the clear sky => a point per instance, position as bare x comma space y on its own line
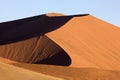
107, 10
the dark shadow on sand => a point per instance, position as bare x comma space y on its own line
22, 29
61, 59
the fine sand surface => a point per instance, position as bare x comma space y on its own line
66, 73
69, 73
9, 72
89, 42
7, 61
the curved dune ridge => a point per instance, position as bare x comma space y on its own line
89, 46
90, 42
36, 50
24, 40
23, 29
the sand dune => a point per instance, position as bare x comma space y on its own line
30, 51
90, 42
23, 29
24, 40
36, 50
7, 61
9, 72
66, 73
69, 73
88, 46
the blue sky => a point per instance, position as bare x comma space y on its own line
107, 10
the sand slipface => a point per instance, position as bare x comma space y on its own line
30, 51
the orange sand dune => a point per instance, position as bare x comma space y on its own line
9, 72
69, 73
90, 42
84, 40
86, 43
24, 40
30, 51
66, 73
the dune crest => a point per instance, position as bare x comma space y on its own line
54, 14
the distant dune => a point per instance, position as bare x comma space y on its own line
86, 45
54, 14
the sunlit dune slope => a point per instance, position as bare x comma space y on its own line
9, 72
4, 60
66, 73
90, 42
69, 73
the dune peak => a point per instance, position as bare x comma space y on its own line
52, 14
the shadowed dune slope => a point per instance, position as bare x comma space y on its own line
22, 29
39, 50
18, 30
24, 40
9, 72
90, 42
